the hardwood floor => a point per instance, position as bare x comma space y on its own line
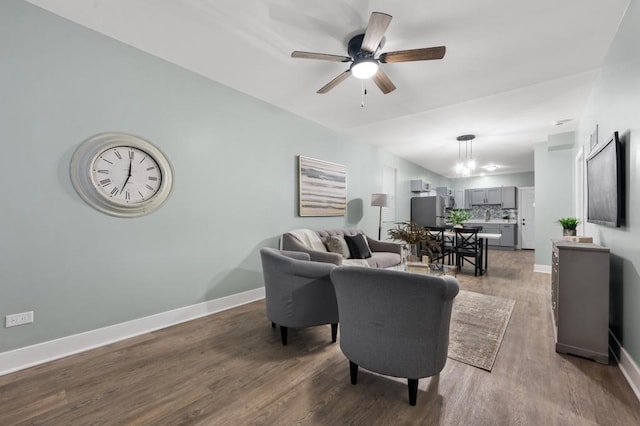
230, 369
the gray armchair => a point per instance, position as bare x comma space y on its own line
299, 293
394, 323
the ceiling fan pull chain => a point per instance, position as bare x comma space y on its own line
364, 92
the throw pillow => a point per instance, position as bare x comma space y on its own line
337, 244
358, 246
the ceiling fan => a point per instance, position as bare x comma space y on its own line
363, 49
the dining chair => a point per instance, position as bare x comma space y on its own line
445, 242
468, 247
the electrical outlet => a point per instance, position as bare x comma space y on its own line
18, 319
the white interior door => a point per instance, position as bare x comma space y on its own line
527, 217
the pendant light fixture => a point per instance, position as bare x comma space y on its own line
465, 165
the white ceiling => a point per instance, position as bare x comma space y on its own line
512, 67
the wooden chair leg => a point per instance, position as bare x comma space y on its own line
283, 335
353, 369
334, 332
413, 391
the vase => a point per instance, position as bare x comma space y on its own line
569, 232
413, 253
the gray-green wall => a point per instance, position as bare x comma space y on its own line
614, 105
234, 159
554, 175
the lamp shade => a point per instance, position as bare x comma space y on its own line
380, 200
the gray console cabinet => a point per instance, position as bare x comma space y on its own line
580, 299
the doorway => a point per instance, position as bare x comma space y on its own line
527, 218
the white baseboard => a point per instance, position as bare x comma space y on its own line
40, 353
628, 367
545, 269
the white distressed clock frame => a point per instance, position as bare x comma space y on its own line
84, 181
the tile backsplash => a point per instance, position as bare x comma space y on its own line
495, 212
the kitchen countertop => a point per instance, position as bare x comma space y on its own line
497, 221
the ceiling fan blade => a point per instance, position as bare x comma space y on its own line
320, 56
378, 23
425, 54
382, 80
333, 83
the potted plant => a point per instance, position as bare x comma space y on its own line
569, 225
416, 237
457, 217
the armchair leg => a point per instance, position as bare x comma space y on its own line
353, 369
413, 391
334, 332
283, 335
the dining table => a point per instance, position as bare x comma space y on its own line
484, 238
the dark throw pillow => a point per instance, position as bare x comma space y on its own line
358, 246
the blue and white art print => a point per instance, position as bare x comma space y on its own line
323, 188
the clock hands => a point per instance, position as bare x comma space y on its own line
128, 175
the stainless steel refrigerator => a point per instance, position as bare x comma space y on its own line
428, 211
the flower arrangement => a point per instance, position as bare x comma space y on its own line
414, 235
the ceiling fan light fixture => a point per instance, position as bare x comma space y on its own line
364, 68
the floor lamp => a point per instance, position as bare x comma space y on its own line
380, 200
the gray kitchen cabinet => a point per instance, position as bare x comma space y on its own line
478, 196
509, 197
490, 228
486, 196
494, 196
467, 198
580, 299
508, 231
459, 199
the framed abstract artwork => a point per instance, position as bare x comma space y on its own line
322, 186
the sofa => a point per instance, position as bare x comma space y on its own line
333, 246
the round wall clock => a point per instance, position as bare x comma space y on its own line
120, 174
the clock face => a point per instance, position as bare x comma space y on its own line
126, 175
121, 174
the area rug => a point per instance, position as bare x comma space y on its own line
478, 324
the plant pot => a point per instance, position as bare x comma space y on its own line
569, 232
